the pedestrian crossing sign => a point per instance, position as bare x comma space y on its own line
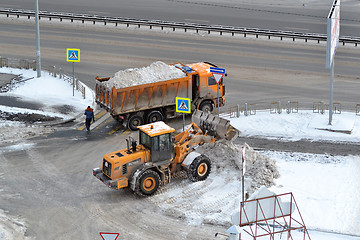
73, 55
183, 105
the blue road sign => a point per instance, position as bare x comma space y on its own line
183, 105
73, 55
217, 70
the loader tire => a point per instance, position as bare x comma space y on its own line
148, 183
135, 121
199, 169
206, 107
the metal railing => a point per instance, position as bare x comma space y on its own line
288, 107
58, 72
17, 63
178, 25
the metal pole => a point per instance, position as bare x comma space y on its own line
242, 182
38, 61
73, 78
331, 92
218, 105
183, 121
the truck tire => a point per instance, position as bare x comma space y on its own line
199, 169
154, 116
206, 106
148, 183
135, 121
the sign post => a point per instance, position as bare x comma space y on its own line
73, 55
183, 105
333, 32
218, 74
243, 172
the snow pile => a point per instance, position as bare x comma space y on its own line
213, 200
226, 155
155, 72
11, 227
14, 131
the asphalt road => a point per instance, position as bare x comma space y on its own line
290, 15
258, 71
51, 186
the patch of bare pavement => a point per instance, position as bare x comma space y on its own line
304, 146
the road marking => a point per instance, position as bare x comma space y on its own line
110, 119
116, 129
100, 114
100, 121
97, 116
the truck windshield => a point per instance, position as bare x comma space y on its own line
145, 140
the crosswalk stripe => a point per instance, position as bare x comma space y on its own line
99, 118
115, 129
100, 114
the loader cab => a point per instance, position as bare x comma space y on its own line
157, 137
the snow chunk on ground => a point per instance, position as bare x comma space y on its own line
11, 227
155, 72
213, 200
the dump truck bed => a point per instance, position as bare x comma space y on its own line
143, 97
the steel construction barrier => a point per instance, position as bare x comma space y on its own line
177, 25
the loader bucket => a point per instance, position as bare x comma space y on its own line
214, 125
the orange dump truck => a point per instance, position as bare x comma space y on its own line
150, 101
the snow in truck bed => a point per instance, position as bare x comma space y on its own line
155, 72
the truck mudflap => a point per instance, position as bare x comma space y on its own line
113, 184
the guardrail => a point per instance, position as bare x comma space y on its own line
178, 25
247, 109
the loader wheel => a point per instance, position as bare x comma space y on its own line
206, 107
199, 169
154, 116
135, 121
148, 183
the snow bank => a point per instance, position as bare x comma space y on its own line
325, 187
155, 72
213, 200
260, 168
302, 125
11, 227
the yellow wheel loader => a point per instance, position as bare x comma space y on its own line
144, 167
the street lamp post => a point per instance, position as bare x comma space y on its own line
38, 61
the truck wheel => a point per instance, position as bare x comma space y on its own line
135, 121
148, 183
154, 116
199, 169
206, 107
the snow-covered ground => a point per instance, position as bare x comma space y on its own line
326, 188
48, 91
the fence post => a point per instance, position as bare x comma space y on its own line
238, 111
246, 109
279, 107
